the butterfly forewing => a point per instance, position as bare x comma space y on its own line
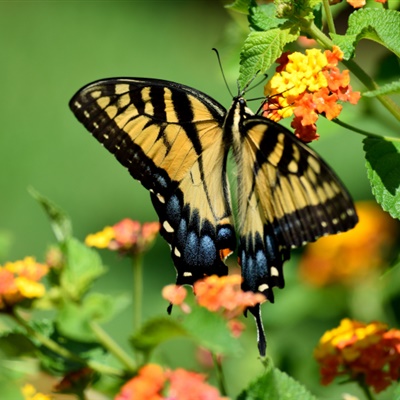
290, 197
168, 135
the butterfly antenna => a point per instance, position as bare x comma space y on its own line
266, 98
258, 83
246, 88
222, 70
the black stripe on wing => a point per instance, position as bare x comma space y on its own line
304, 200
105, 108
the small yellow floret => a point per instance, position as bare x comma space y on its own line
100, 239
28, 288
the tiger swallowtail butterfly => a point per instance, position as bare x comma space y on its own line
175, 140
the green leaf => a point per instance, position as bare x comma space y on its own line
346, 43
379, 25
396, 394
60, 221
82, 267
275, 385
210, 330
15, 344
383, 169
74, 319
261, 49
389, 88
263, 17
241, 6
60, 365
157, 331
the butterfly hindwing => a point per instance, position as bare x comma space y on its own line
166, 134
290, 197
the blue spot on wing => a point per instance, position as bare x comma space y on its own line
207, 251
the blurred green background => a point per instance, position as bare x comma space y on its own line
48, 51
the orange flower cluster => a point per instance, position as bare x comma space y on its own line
308, 85
223, 294
153, 383
19, 280
368, 353
127, 237
217, 294
353, 255
361, 3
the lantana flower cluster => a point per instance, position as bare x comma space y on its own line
367, 353
217, 294
19, 280
155, 383
127, 237
307, 85
355, 255
362, 3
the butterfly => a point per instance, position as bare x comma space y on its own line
175, 140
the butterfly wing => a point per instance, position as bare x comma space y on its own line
170, 138
290, 197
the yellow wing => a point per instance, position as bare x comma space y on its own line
170, 138
289, 197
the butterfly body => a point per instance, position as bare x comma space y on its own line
175, 140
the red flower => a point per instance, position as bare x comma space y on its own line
366, 352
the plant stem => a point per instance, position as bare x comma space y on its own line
328, 15
357, 130
137, 263
108, 342
62, 351
363, 77
366, 391
220, 374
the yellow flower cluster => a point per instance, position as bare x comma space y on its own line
30, 393
303, 72
126, 236
19, 280
352, 256
307, 85
368, 353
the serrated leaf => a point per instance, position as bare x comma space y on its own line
389, 88
346, 43
82, 267
261, 49
241, 6
59, 219
211, 331
263, 17
155, 332
375, 24
275, 385
383, 169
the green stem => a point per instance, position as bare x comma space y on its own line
358, 130
363, 77
220, 375
62, 351
366, 390
108, 342
329, 17
137, 262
